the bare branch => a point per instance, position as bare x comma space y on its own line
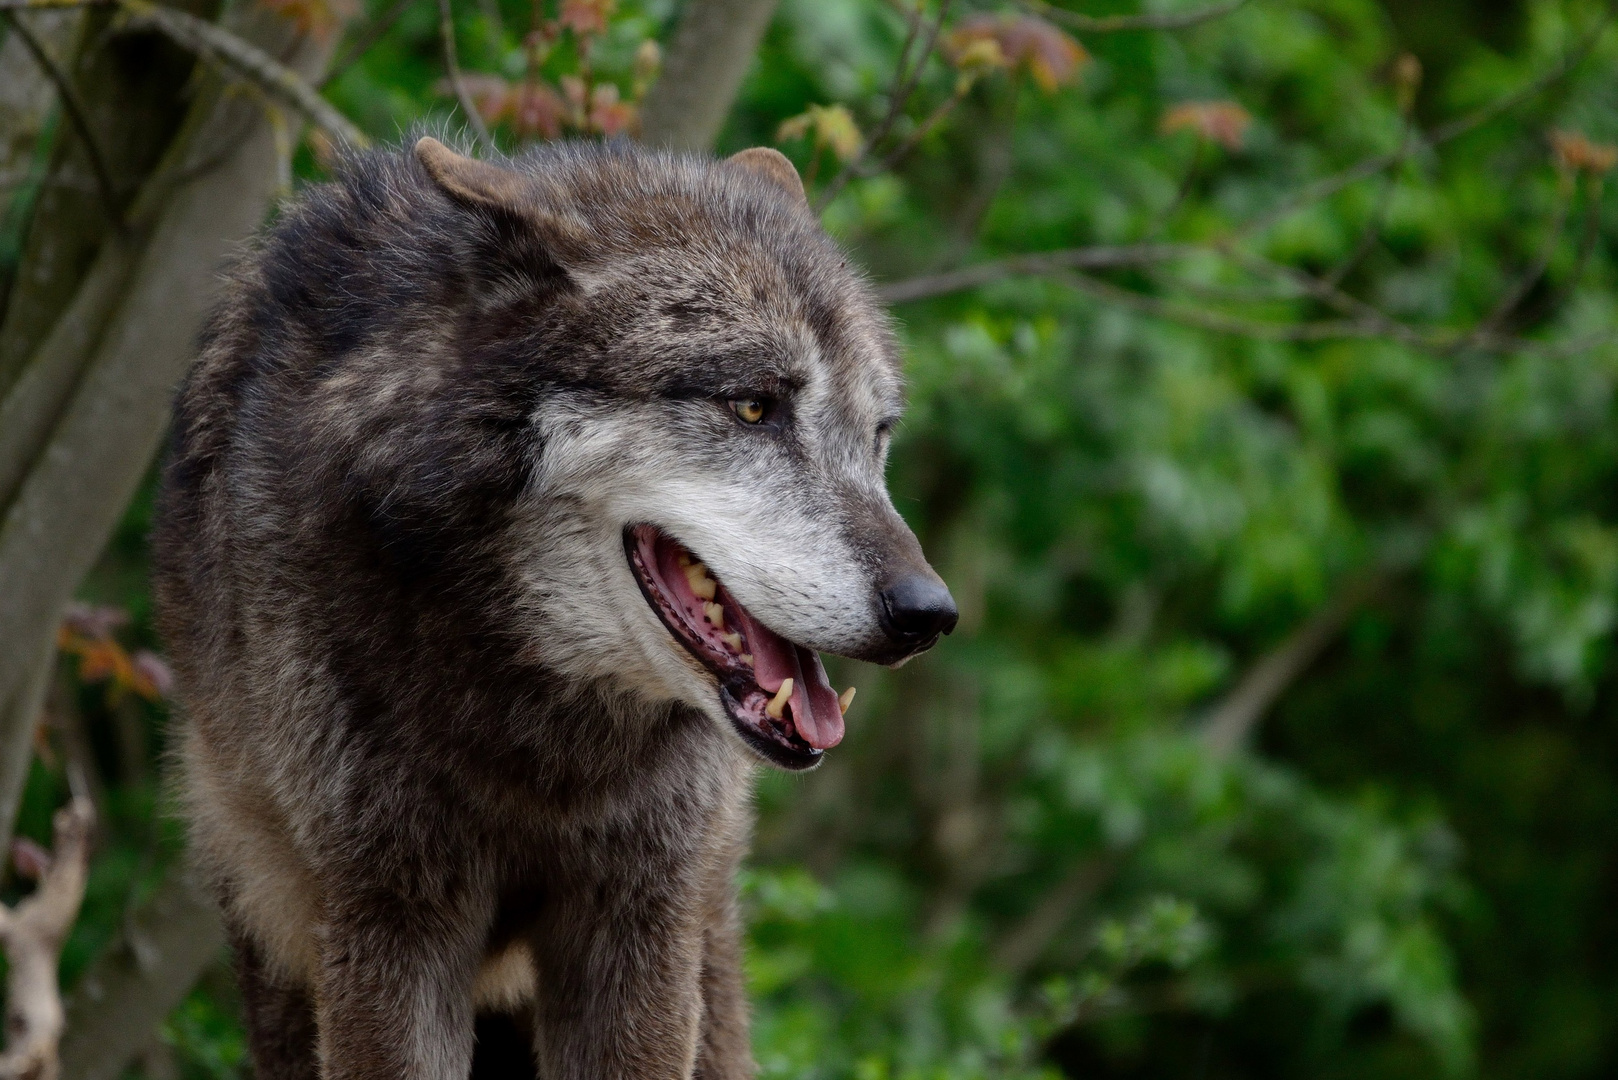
248, 60
1484, 113
1097, 257
32, 934
75, 113
363, 42
1519, 290
904, 84
1221, 323
48, 5
1231, 722
452, 63
1112, 24
1364, 321
1373, 224
1376, 163
1025, 943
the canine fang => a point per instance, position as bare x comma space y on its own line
696, 575
846, 699
779, 703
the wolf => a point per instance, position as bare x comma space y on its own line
509, 506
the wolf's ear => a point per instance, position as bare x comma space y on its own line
471, 181
485, 186
772, 165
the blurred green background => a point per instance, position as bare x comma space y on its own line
1030, 858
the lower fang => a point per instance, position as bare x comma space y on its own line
715, 614
778, 703
734, 640
846, 699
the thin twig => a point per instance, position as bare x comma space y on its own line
1379, 214
1374, 164
50, 5
1145, 254
1112, 24
363, 42
1332, 295
1530, 277
75, 112
1587, 244
1484, 113
446, 29
245, 59
919, 133
904, 84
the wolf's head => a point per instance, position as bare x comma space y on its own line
708, 507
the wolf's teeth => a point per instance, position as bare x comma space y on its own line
733, 639
846, 700
779, 702
696, 575
715, 613
747, 657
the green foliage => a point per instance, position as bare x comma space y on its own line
1026, 861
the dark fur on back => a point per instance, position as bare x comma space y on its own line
409, 785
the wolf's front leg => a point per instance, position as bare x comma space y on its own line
724, 1051
394, 1000
620, 985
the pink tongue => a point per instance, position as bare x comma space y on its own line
815, 712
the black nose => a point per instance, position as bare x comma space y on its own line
916, 609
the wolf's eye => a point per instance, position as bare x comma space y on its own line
750, 410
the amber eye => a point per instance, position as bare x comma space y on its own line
750, 410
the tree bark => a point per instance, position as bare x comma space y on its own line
119, 1003
226, 159
131, 86
712, 48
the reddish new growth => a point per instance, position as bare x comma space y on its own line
578, 103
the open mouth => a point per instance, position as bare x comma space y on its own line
775, 692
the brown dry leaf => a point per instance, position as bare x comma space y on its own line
86, 633
490, 94
536, 109
1049, 54
608, 115
586, 16
316, 17
1574, 152
1223, 122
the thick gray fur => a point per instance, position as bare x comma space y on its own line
442, 761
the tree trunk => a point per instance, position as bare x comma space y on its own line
117, 1007
712, 49
207, 196
131, 88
